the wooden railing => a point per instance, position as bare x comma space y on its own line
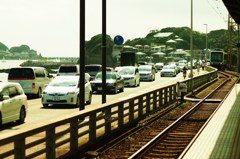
71, 135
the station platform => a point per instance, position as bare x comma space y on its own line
220, 139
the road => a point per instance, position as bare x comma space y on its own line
36, 113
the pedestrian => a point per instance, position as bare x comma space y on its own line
184, 71
198, 67
203, 64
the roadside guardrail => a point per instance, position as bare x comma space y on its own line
70, 135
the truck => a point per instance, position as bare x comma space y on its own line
128, 58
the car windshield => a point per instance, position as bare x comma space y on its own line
61, 82
108, 76
92, 68
168, 67
144, 68
68, 69
126, 71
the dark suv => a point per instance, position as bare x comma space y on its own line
93, 69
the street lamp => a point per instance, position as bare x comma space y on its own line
191, 48
206, 37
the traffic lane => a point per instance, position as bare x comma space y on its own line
36, 113
145, 86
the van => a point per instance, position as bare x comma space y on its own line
93, 69
71, 70
130, 75
68, 69
32, 79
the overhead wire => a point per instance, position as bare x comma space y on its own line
217, 7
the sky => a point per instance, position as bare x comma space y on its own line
51, 27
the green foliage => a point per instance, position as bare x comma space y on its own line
94, 50
3, 47
216, 39
19, 49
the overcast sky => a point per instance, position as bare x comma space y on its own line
51, 27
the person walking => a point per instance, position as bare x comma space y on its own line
203, 64
184, 71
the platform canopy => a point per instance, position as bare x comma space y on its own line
233, 7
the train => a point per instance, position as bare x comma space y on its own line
218, 59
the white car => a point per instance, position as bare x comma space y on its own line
13, 103
159, 65
147, 72
65, 90
168, 70
130, 75
71, 70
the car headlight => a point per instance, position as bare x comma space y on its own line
71, 93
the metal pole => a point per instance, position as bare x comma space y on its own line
191, 47
238, 46
104, 22
82, 56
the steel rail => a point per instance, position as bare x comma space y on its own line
152, 142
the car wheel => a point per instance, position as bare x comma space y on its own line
45, 105
89, 99
22, 116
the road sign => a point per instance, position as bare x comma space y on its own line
118, 40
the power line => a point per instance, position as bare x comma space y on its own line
217, 7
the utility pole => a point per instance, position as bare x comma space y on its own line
82, 56
104, 45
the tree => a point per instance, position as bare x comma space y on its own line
94, 50
19, 49
3, 47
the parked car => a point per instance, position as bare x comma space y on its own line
32, 79
114, 82
71, 70
65, 90
147, 72
130, 75
168, 70
13, 103
159, 65
93, 69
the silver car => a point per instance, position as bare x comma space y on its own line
130, 75
168, 70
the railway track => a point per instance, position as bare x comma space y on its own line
171, 132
